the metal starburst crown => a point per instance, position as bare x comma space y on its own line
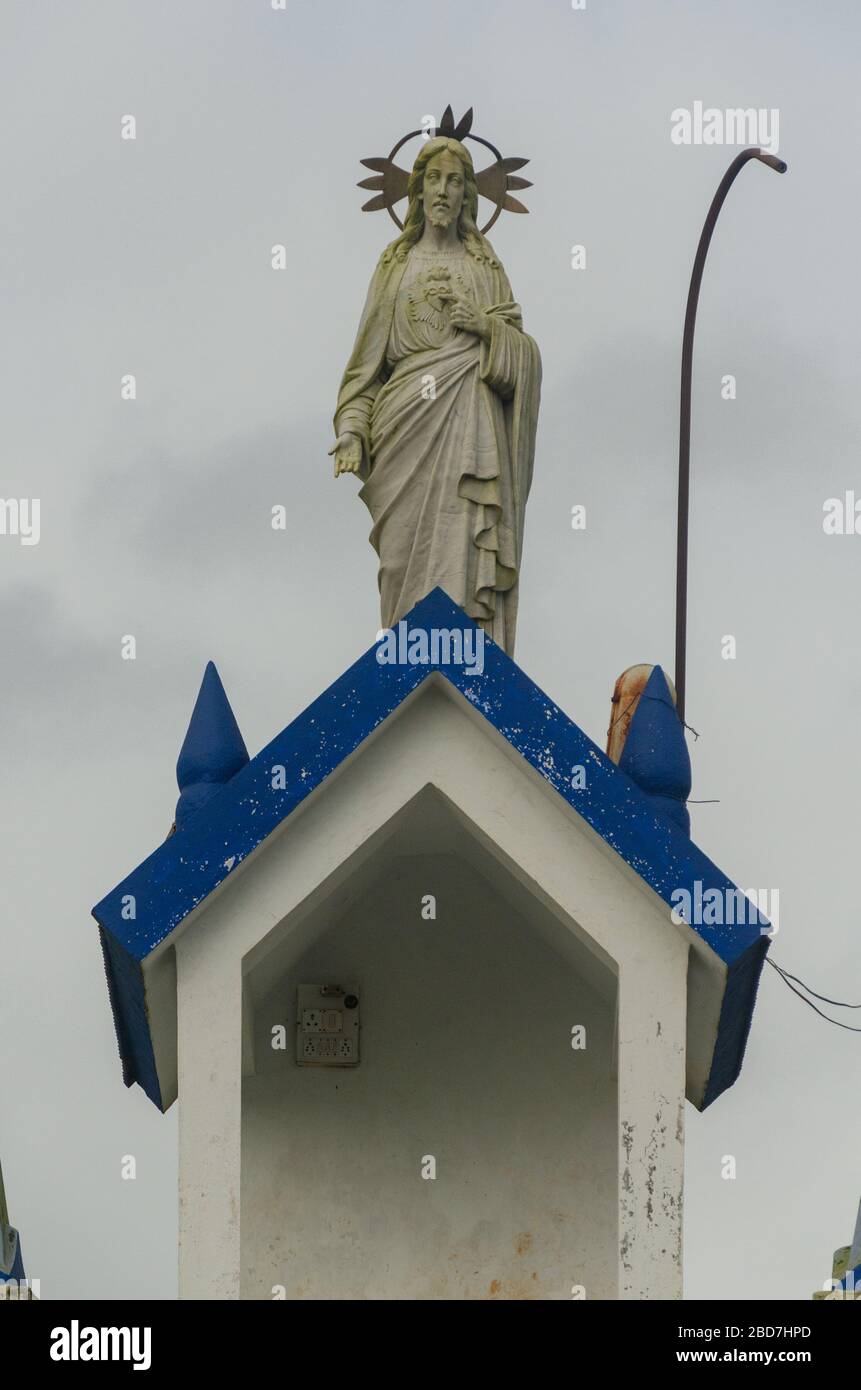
493, 182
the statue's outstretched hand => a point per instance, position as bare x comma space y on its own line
469, 318
347, 449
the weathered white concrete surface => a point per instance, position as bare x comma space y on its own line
209, 1003
466, 1059
651, 1094
573, 918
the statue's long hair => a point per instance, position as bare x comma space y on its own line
474, 243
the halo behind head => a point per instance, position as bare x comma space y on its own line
492, 183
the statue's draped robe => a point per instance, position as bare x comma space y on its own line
447, 423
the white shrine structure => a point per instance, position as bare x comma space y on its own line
414, 975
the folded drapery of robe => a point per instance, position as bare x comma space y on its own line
446, 468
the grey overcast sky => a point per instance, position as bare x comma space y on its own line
152, 257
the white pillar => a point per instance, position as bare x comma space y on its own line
651, 1098
209, 1018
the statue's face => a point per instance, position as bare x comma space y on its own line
442, 195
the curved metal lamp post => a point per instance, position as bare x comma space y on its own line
685, 408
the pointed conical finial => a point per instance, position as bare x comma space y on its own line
653, 750
213, 751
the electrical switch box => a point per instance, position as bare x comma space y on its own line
327, 1026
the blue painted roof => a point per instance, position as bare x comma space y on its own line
191, 864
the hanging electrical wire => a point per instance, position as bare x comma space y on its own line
837, 1004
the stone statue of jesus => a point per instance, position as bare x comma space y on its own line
438, 406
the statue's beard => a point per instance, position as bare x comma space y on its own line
440, 217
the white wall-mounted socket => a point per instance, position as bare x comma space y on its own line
327, 1026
